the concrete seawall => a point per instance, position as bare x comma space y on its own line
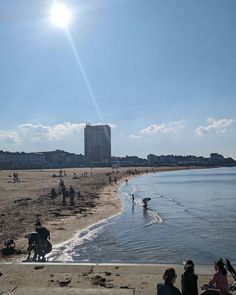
85, 279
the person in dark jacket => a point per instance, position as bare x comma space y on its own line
168, 288
189, 279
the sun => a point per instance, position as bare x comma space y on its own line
60, 15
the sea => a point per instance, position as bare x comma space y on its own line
191, 215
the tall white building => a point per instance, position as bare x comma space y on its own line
97, 143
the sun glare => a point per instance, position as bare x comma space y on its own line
60, 15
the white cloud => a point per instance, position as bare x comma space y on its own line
214, 126
38, 132
132, 136
110, 124
171, 127
61, 130
9, 136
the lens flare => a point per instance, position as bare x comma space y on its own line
60, 15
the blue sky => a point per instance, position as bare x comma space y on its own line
161, 72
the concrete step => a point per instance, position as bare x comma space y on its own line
14, 290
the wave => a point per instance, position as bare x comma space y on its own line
156, 218
66, 251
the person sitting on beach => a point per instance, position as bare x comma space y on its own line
189, 279
9, 247
219, 279
168, 288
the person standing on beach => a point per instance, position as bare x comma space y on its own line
72, 196
133, 198
45, 245
53, 194
64, 194
168, 288
61, 185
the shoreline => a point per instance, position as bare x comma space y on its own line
101, 196
105, 191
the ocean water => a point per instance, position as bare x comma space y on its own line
191, 215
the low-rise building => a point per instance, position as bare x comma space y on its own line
21, 160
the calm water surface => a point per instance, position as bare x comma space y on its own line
192, 215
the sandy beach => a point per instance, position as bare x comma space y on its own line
88, 279
21, 201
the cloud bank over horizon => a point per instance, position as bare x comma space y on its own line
214, 126
180, 137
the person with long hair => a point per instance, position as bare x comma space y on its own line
189, 279
168, 287
219, 279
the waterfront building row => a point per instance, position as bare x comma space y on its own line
62, 159
51, 159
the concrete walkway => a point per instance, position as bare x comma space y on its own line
87, 279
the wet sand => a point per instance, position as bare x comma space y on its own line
21, 201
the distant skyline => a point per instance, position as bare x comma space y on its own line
162, 74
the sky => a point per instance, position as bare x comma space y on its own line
162, 73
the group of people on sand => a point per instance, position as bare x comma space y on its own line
38, 242
112, 179
65, 193
218, 283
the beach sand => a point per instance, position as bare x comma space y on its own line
88, 279
21, 201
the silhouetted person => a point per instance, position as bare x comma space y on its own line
189, 279
168, 288
38, 219
9, 247
133, 198
72, 196
53, 194
64, 194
